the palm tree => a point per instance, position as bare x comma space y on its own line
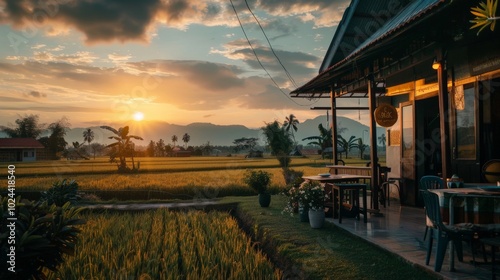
361, 147
346, 145
88, 135
485, 15
174, 139
186, 138
124, 146
291, 122
382, 140
280, 142
324, 140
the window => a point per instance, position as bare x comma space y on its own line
466, 122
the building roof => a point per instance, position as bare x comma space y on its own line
346, 46
20, 143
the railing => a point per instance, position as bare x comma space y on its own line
350, 169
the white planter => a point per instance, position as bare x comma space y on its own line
316, 218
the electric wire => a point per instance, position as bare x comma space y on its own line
270, 46
260, 63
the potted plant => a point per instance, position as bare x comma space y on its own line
259, 181
312, 196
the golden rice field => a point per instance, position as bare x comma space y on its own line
159, 181
162, 244
151, 164
215, 172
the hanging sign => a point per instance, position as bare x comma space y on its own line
386, 115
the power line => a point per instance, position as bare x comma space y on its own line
258, 60
270, 46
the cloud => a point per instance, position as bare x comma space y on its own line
36, 94
296, 63
53, 109
190, 85
82, 57
132, 20
12, 99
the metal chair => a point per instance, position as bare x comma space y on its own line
396, 182
430, 182
444, 233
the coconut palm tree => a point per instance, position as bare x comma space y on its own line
88, 135
174, 139
123, 146
382, 140
186, 138
291, 122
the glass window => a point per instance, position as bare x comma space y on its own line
466, 124
407, 130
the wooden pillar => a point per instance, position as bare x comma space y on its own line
373, 142
334, 126
444, 124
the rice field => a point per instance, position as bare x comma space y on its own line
162, 244
161, 178
151, 164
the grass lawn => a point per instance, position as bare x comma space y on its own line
327, 253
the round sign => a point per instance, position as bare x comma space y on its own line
386, 115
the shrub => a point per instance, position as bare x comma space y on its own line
258, 180
43, 234
61, 192
293, 177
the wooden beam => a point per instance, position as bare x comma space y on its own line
444, 124
373, 142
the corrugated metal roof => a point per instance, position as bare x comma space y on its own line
410, 14
360, 20
406, 16
20, 143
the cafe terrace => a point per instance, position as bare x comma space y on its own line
434, 84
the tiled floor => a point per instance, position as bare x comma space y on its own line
401, 231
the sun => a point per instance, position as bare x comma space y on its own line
138, 116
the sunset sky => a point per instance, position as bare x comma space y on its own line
100, 62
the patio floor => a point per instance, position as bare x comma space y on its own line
400, 229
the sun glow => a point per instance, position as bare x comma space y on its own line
138, 116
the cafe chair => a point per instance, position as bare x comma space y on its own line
429, 182
494, 242
444, 233
396, 182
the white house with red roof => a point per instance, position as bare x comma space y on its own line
19, 149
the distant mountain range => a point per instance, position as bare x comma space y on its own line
217, 135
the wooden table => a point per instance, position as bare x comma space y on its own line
342, 183
337, 178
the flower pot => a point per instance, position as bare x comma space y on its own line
303, 213
264, 199
316, 218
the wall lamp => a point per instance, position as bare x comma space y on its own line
436, 64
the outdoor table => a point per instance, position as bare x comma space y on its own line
340, 184
476, 204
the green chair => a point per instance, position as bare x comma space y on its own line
426, 183
444, 233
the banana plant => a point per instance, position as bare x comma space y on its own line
485, 15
